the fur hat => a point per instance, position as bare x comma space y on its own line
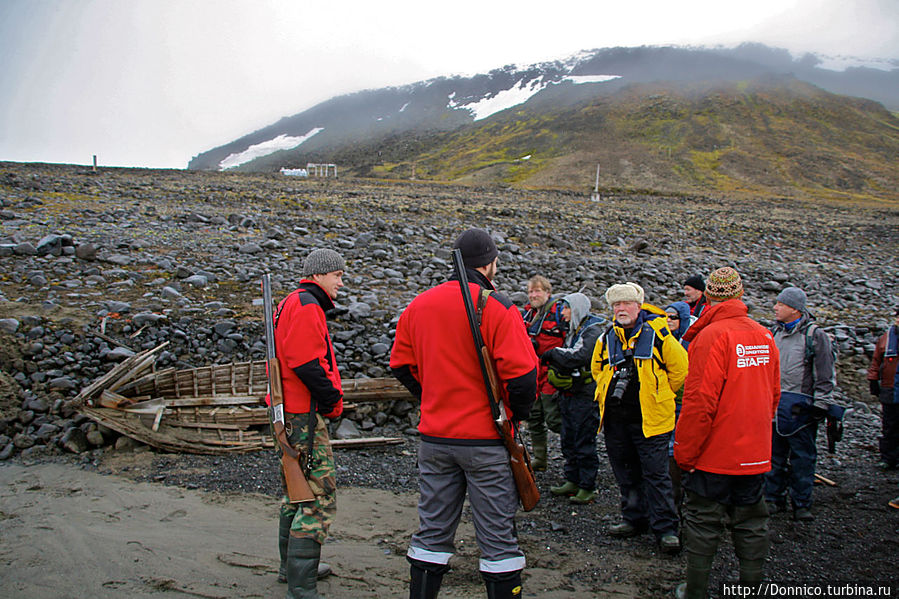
793, 297
724, 284
627, 292
322, 261
478, 248
695, 282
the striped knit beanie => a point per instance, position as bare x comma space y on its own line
724, 284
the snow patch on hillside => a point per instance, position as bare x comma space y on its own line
282, 142
519, 93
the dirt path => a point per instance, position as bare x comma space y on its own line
66, 532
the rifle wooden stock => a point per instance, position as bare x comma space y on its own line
519, 460
298, 489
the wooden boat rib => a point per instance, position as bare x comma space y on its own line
207, 410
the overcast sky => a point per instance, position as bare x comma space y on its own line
154, 82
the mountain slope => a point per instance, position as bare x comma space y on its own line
694, 120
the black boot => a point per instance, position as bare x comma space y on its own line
503, 585
426, 579
303, 554
283, 536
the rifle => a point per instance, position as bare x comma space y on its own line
519, 460
298, 489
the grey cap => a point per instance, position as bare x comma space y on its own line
322, 261
793, 297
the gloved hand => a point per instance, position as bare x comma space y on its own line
819, 412
545, 357
875, 387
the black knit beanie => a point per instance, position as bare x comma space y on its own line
695, 282
478, 248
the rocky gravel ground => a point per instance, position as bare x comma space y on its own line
96, 266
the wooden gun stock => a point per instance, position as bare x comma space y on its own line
520, 462
298, 489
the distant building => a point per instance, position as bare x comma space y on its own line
294, 172
322, 170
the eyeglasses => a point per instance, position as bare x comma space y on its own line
673, 317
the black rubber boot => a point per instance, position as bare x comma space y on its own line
698, 569
283, 536
425, 579
302, 566
751, 572
503, 585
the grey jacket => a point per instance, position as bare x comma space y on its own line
815, 378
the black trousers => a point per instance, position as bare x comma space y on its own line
580, 420
640, 465
889, 442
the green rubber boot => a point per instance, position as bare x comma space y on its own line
538, 460
569, 488
303, 555
698, 569
283, 537
751, 572
583, 497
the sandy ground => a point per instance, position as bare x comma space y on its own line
66, 532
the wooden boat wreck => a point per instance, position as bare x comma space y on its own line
208, 410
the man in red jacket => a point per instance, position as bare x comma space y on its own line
312, 392
723, 436
434, 357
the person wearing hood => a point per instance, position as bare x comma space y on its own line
569, 372
807, 380
679, 320
638, 366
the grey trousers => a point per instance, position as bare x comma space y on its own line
447, 473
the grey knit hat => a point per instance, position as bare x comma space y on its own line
793, 297
322, 261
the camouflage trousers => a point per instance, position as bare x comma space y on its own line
312, 519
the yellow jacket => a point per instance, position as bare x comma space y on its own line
660, 375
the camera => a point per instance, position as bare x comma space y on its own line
622, 380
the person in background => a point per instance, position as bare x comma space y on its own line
569, 372
807, 380
546, 328
693, 292
882, 380
638, 365
679, 320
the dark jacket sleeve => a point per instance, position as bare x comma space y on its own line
320, 387
522, 393
578, 356
404, 375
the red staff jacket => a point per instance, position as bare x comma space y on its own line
731, 393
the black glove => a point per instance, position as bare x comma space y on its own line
818, 413
545, 357
875, 387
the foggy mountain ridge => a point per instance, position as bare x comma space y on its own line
413, 114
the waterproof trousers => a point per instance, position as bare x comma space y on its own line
792, 467
889, 442
640, 465
580, 420
715, 502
